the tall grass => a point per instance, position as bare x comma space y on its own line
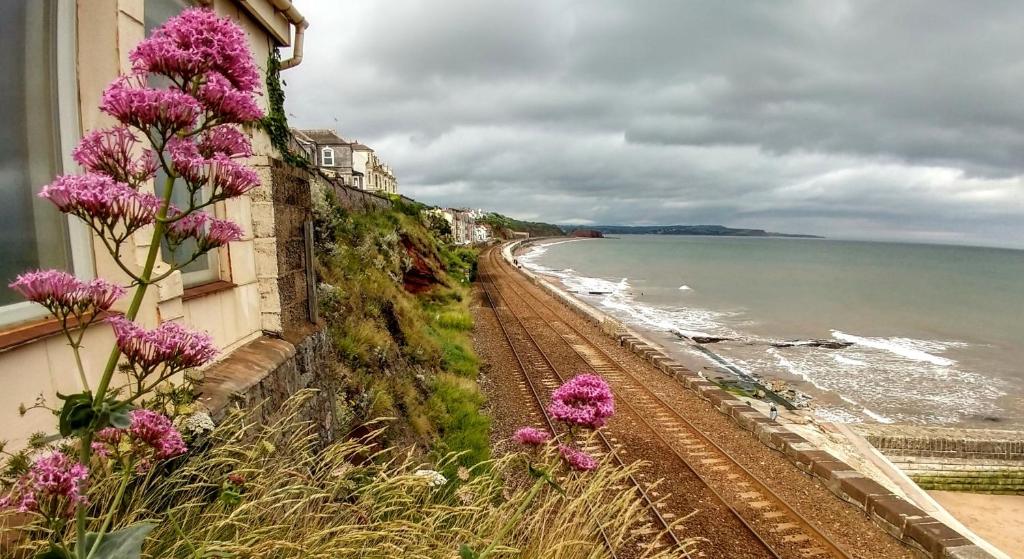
353, 500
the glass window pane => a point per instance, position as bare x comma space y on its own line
33, 234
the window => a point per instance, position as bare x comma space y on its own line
206, 268
327, 157
38, 106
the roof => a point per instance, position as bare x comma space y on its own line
321, 136
361, 147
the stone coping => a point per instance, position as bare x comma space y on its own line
243, 369
898, 517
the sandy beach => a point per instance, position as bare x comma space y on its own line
997, 518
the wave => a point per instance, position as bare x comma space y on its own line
684, 288
847, 361
904, 347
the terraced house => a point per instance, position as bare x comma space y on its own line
59, 57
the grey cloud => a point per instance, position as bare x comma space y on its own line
868, 119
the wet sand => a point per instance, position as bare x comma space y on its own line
997, 518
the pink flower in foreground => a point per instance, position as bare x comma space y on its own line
584, 400
208, 232
227, 177
143, 107
169, 344
54, 485
227, 104
195, 42
100, 199
63, 293
114, 153
156, 431
577, 459
531, 436
224, 140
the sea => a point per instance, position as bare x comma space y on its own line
868, 331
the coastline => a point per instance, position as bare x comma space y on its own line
836, 439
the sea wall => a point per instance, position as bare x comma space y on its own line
953, 459
898, 517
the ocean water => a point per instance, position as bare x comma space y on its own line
936, 333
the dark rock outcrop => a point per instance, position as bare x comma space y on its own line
587, 234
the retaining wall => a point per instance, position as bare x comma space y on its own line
901, 519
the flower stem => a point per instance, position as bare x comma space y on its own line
110, 513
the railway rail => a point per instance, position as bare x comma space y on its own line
776, 528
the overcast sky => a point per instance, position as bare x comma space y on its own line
861, 119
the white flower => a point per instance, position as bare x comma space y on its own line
197, 424
434, 478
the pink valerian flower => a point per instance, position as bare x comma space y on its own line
65, 295
156, 431
577, 459
169, 344
531, 436
54, 485
134, 104
208, 232
225, 104
194, 43
224, 140
227, 178
585, 400
100, 200
113, 153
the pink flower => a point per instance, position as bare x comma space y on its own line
113, 153
63, 294
232, 179
156, 431
54, 485
99, 199
194, 43
224, 140
167, 110
531, 436
169, 344
208, 232
227, 177
577, 459
584, 400
227, 104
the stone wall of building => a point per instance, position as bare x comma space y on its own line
293, 215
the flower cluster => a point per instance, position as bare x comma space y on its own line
531, 436
112, 153
208, 232
54, 486
226, 177
64, 295
146, 108
577, 459
149, 433
169, 344
227, 104
198, 424
432, 477
195, 43
585, 400
225, 140
102, 202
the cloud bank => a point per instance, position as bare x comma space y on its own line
878, 120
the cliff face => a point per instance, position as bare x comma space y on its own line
587, 234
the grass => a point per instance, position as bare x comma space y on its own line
352, 500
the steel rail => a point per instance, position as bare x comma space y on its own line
831, 546
547, 419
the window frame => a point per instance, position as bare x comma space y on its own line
78, 236
324, 152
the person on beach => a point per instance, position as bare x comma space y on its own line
773, 412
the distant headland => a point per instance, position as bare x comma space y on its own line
707, 230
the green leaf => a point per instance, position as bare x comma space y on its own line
466, 552
120, 416
125, 543
76, 414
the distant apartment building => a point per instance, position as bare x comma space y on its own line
465, 229
349, 162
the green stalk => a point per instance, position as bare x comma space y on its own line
537, 485
85, 452
110, 513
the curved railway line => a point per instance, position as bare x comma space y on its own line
737, 514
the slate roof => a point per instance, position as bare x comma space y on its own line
321, 136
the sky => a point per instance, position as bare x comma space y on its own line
850, 119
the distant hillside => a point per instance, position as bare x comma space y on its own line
504, 225
709, 230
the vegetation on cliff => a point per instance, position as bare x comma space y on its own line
395, 301
504, 226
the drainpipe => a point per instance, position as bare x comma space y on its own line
295, 18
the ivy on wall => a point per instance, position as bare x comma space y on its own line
275, 123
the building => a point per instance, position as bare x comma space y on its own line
61, 55
371, 172
465, 229
329, 152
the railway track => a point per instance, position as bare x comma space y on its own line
775, 527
